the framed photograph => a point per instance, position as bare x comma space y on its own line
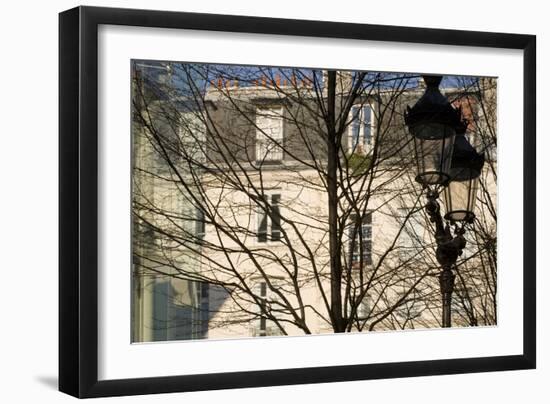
251, 201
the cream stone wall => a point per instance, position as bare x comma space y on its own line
402, 250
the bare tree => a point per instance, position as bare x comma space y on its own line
281, 227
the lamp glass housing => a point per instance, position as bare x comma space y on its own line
433, 143
460, 195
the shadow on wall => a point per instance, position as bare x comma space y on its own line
51, 382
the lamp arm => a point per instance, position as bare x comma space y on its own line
449, 248
442, 232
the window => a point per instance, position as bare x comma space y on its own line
267, 300
360, 128
269, 134
263, 320
204, 310
269, 221
360, 239
200, 229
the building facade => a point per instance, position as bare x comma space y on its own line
236, 234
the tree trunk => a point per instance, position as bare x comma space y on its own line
332, 188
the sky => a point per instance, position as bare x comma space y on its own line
184, 75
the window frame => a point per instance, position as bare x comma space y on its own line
261, 138
355, 239
260, 211
362, 146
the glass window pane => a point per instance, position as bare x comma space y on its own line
276, 218
262, 226
367, 124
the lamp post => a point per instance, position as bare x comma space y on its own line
445, 162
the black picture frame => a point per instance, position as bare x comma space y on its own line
78, 201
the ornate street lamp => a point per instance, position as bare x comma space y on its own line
444, 158
432, 122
